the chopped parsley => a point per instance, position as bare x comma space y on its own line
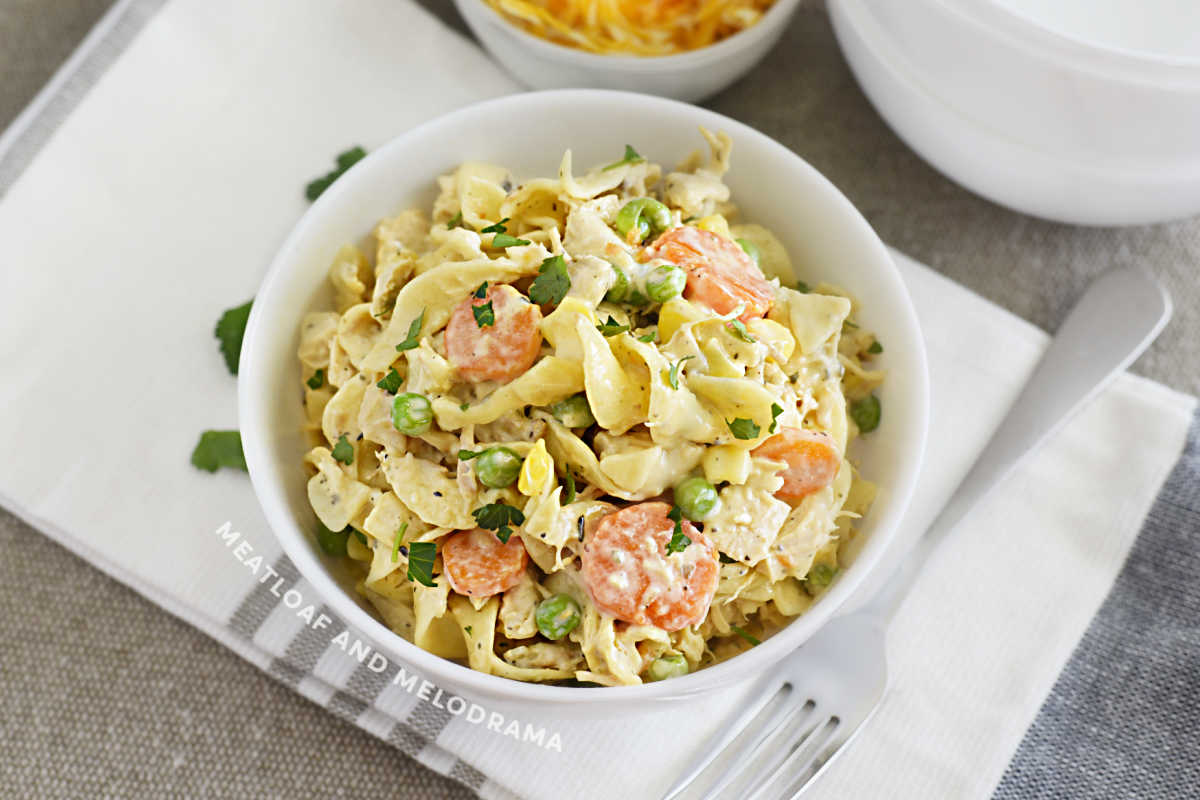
748, 637
498, 517
420, 562
362, 538
673, 373
570, 497
480, 291
738, 329
485, 315
219, 449
776, 410
391, 382
679, 540
803, 287
742, 428
345, 160
455, 222
820, 575
552, 283
631, 157
343, 451
231, 327
611, 327
848, 324
467, 455
504, 240
499, 227
866, 413
876, 348
317, 380
399, 540
648, 338
414, 334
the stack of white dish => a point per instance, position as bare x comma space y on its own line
1082, 111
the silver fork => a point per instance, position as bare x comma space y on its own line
806, 712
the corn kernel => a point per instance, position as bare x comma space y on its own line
536, 471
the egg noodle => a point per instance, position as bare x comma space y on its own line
636, 474
633, 27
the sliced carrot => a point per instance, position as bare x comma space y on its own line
630, 575
501, 350
480, 565
812, 461
719, 273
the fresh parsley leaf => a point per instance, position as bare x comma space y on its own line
802, 287
776, 410
673, 374
391, 382
499, 227
399, 540
231, 327
219, 449
866, 413
467, 628
848, 324
570, 496
317, 380
738, 329
481, 290
876, 348
611, 327
467, 455
504, 240
455, 222
343, 451
820, 575
679, 540
631, 157
648, 337
362, 538
552, 283
420, 562
345, 160
497, 517
743, 428
333, 542
463, 406
485, 315
414, 334
751, 639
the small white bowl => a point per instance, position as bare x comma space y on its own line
690, 76
826, 237
1053, 125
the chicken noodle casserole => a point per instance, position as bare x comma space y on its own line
570, 431
633, 27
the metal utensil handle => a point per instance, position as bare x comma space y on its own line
1112, 324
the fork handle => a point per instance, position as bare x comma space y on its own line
1116, 319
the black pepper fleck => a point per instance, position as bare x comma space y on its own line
437, 494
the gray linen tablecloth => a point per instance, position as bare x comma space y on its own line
112, 697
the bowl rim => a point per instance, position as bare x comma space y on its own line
780, 11
254, 404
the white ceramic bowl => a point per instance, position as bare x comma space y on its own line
827, 238
691, 76
1062, 127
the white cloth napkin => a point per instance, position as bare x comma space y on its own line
159, 202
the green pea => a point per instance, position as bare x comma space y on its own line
620, 288
411, 413
557, 616
751, 250
665, 667
696, 498
866, 413
332, 542
574, 412
820, 575
665, 282
643, 216
498, 467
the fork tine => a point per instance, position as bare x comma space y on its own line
747, 758
797, 760
717, 744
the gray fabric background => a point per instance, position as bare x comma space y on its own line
116, 698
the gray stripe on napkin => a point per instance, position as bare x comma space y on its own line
465, 773
35, 132
1121, 721
258, 604
303, 652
